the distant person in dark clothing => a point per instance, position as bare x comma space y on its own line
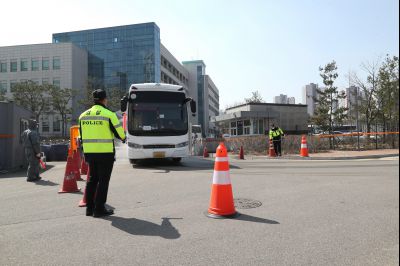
276, 134
31, 143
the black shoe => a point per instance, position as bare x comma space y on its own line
102, 213
38, 178
89, 211
31, 180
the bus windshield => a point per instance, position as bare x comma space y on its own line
162, 114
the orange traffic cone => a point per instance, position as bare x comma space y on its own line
221, 201
304, 148
241, 153
82, 203
76, 164
69, 184
271, 149
84, 167
205, 153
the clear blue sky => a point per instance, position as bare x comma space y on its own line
270, 46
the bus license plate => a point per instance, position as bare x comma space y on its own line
159, 154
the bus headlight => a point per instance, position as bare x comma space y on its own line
134, 145
181, 145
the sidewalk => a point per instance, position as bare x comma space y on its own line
331, 155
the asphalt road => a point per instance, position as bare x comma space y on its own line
312, 213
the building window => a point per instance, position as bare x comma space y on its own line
45, 81
24, 64
233, 128
115, 39
56, 125
45, 63
56, 82
3, 86
240, 128
3, 66
56, 62
36, 81
247, 125
260, 126
13, 83
13, 66
45, 126
35, 64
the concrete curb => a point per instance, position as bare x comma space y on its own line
291, 157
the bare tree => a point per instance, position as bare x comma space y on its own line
368, 107
255, 98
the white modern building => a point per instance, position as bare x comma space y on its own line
291, 100
205, 92
282, 99
309, 96
63, 65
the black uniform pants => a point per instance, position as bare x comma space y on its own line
97, 187
277, 147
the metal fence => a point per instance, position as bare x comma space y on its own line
291, 144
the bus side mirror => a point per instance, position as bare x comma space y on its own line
124, 103
193, 107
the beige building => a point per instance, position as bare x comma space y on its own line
63, 65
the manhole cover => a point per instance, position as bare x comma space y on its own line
246, 203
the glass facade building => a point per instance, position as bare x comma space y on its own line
119, 56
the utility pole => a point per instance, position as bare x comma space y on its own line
357, 125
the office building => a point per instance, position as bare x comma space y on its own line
284, 99
309, 96
119, 56
291, 100
123, 55
63, 65
113, 57
204, 91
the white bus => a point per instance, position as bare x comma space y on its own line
157, 121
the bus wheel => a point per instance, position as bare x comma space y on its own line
133, 161
177, 160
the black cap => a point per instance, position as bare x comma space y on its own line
99, 94
32, 124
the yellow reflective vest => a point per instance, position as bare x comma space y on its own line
96, 130
273, 134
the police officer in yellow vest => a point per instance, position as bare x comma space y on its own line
98, 126
276, 134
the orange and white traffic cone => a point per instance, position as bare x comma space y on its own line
304, 148
221, 201
271, 149
69, 184
83, 202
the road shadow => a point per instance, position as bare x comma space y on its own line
135, 226
254, 219
20, 172
187, 164
46, 183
